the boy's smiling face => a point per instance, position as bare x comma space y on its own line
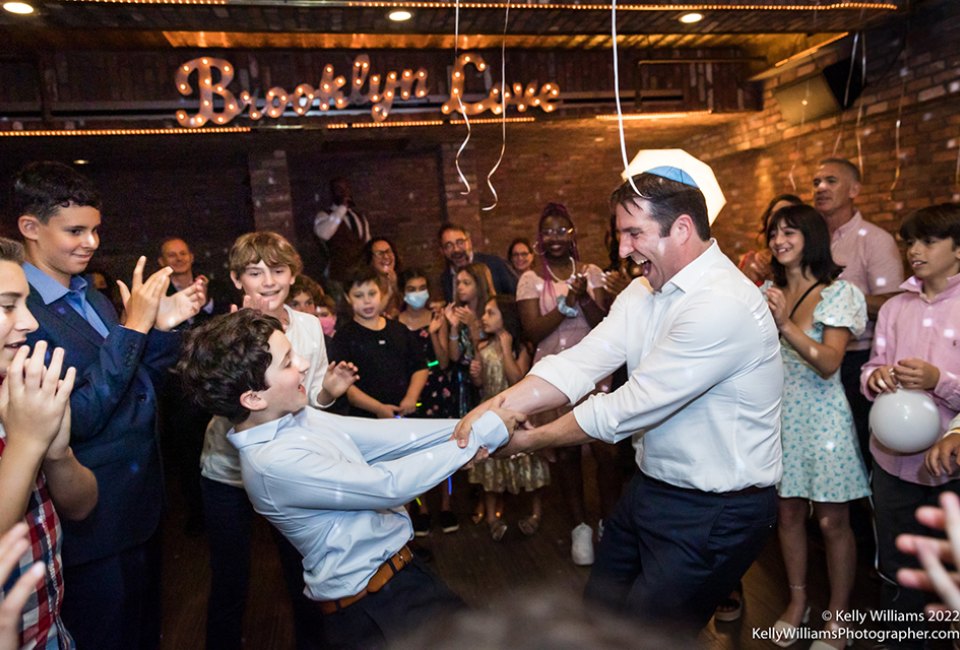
285, 392
16, 321
271, 284
932, 258
63, 246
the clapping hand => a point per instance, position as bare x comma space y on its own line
181, 306
578, 289
250, 302
614, 282
141, 301
13, 545
34, 400
933, 552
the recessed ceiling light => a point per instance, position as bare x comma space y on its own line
81, 161
21, 8
691, 18
399, 15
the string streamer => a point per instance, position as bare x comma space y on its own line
616, 93
463, 112
503, 110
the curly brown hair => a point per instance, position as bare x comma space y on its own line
226, 357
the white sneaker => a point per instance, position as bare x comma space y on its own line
581, 548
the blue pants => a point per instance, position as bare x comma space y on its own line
415, 597
669, 554
114, 603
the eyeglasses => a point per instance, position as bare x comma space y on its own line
556, 232
457, 243
521, 254
385, 252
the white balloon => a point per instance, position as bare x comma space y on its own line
906, 421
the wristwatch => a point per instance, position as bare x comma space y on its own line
566, 310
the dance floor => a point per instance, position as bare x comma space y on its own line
485, 573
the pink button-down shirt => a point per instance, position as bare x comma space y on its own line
870, 260
912, 326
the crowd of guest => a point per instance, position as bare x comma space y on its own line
377, 339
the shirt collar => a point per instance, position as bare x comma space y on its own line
856, 221
689, 276
952, 290
259, 434
48, 288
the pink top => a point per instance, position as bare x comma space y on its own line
871, 261
571, 330
912, 326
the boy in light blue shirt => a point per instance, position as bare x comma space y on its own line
334, 486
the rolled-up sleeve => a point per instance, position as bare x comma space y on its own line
575, 371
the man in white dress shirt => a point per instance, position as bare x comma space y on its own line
334, 486
703, 396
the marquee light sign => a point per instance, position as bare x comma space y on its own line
213, 76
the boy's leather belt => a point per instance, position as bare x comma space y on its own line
384, 574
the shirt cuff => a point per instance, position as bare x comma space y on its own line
489, 431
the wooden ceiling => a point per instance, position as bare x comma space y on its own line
770, 30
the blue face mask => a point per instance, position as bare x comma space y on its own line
417, 299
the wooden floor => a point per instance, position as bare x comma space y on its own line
483, 572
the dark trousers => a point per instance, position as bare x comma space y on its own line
669, 555
229, 522
229, 518
114, 603
896, 502
853, 361
414, 598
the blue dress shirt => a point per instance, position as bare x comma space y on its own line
335, 486
51, 291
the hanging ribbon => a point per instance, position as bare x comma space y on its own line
466, 120
903, 89
803, 120
863, 77
503, 110
616, 92
846, 92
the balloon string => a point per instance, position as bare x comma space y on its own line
803, 120
616, 92
903, 88
863, 77
846, 92
463, 112
503, 110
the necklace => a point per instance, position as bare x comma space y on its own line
573, 269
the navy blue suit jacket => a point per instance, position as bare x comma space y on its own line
113, 422
504, 281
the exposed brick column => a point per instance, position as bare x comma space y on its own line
270, 192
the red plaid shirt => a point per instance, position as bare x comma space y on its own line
40, 626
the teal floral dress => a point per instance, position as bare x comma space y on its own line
821, 458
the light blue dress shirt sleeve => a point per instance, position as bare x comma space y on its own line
399, 460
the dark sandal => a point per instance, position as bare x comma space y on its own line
498, 529
730, 608
529, 525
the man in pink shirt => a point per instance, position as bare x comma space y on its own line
916, 348
871, 261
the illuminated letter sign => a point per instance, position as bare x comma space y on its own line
220, 105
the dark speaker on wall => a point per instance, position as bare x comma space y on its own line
824, 93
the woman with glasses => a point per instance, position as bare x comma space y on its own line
380, 254
560, 301
520, 256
